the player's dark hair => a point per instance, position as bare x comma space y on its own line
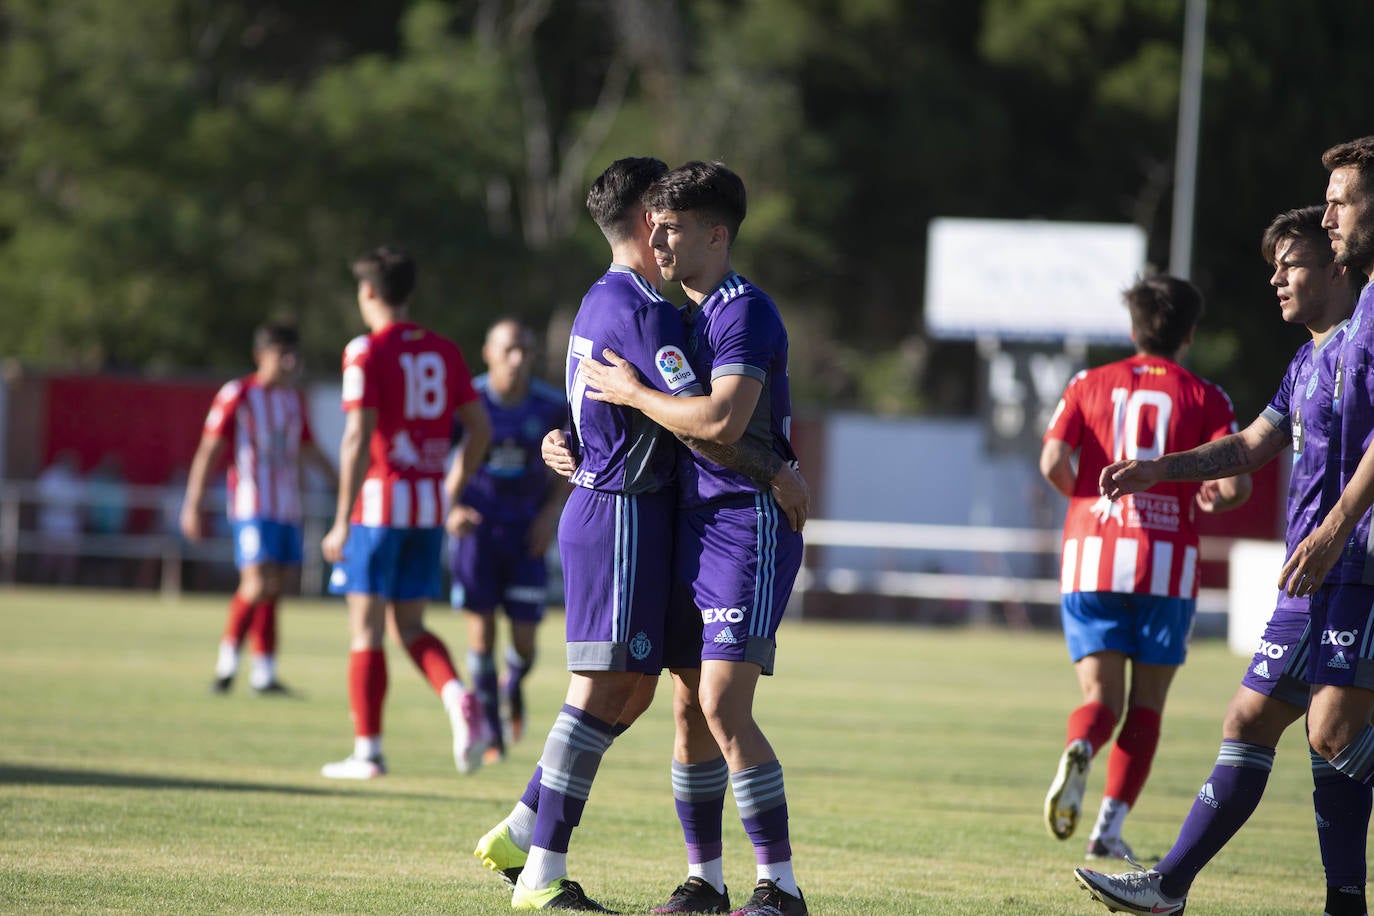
1164, 311
1356, 154
1302, 224
708, 189
276, 334
389, 270
617, 191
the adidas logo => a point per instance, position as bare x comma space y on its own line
725, 637
1322, 822
1262, 669
1207, 797
1338, 662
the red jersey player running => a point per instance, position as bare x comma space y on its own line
1129, 572
403, 385
263, 418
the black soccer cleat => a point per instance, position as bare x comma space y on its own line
771, 900
696, 895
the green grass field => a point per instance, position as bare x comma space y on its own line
916, 763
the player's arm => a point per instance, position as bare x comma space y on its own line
544, 527
1313, 559
359, 424
313, 456
471, 453
1228, 460
1056, 465
207, 455
721, 416
764, 467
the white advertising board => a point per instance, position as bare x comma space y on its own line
1030, 279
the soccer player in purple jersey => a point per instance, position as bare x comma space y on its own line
737, 553
1314, 291
508, 517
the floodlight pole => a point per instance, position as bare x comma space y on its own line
1185, 155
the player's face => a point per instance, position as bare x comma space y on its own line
277, 365
1349, 219
1311, 288
509, 355
681, 244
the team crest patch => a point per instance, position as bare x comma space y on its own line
641, 645
673, 366
1312, 385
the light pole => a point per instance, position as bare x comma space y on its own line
1185, 154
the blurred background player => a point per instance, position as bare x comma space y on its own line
403, 388
508, 520
262, 417
1314, 291
1129, 572
61, 493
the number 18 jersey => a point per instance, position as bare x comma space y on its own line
414, 379
1141, 407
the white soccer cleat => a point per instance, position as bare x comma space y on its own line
1064, 801
471, 734
1110, 848
354, 768
1134, 892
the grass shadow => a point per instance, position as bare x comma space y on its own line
53, 776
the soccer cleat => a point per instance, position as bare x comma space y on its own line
274, 689
1109, 848
515, 706
770, 900
355, 768
562, 894
1133, 892
493, 754
696, 895
1065, 798
470, 734
498, 852
221, 685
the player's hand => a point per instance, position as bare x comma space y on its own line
190, 522
556, 454
1311, 561
1123, 477
462, 520
333, 543
617, 383
792, 495
1209, 497
542, 530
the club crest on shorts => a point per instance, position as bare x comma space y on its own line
641, 645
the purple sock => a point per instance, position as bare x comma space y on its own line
572, 754
1342, 806
762, 804
1223, 804
482, 669
699, 795
531, 796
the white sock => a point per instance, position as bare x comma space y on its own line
264, 671
1109, 819
521, 825
452, 695
543, 867
712, 872
367, 747
227, 665
780, 873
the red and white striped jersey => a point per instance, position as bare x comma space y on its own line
415, 379
1140, 407
264, 428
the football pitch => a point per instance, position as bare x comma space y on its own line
916, 763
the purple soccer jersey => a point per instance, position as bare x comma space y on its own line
512, 484
1303, 407
1353, 404
618, 449
738, 331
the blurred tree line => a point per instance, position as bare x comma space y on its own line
172, 172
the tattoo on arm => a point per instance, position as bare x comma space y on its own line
1223, 458
749, 458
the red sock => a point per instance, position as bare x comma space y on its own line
432, 658
366, 690
240, 616
1128, 765
264, 627
1094, 723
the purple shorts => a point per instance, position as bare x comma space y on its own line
617, 558
492, 566
1343, 636
739, 563
1279, 668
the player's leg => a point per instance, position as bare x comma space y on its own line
520, 657
481, 638
525, 599
248, 559
477, 574
1099, 639
1342, 807
367, 684
281, 551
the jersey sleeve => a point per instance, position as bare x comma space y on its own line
1066, 423
656, 345
746, 338
360, 389
219, 422
1279, 409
